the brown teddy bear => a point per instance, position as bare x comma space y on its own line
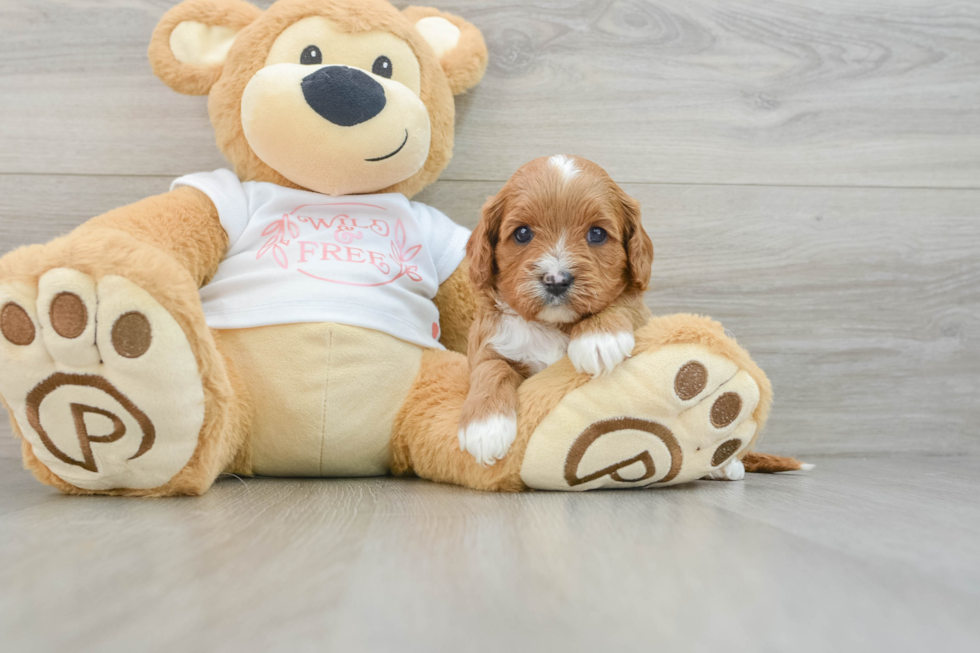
300, 316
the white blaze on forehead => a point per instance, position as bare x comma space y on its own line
564, 165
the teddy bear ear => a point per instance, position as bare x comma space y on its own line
458, 45
191, 41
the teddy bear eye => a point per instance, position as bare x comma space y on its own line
523, 235
382, 67
596, 236
311, 56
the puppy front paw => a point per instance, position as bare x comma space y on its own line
598, 353
488, 439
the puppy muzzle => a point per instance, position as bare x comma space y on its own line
557, 284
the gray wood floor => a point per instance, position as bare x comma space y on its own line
862, 554
810, 175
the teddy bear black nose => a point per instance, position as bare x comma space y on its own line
344, 96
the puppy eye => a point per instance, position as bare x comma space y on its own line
382, 67
596, 236
523, 235
311, 56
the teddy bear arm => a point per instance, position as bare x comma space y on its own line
457, 307
182, 223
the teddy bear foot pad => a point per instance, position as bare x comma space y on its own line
662, 417
101, 380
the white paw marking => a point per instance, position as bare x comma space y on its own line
598, 353
805, 467
113, 401
534, 344
488, 440
565, 165
733, 470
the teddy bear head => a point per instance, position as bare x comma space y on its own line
334, 96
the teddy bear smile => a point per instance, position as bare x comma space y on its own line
388, 156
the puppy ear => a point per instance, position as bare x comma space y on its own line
639, 247
191, 41
482, 243
458, 45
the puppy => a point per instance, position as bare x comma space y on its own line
560, 261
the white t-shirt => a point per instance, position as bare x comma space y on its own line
373, 261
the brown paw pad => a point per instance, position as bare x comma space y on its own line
690, 380
725, 410
131, 335
69, 316
16, 325
725, 451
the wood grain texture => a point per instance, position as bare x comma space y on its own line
770, 564
862, 305
830, 92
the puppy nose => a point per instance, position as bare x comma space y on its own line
557, 283
345, 96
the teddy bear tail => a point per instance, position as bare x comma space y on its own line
764, 463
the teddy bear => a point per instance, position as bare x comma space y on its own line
301, 315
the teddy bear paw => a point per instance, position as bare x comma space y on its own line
100, 379
670, 415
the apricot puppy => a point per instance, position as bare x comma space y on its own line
560, 261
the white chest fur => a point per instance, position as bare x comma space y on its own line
535, 344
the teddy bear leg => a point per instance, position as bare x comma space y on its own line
687, 403
112, 388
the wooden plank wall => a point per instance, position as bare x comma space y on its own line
810, 173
